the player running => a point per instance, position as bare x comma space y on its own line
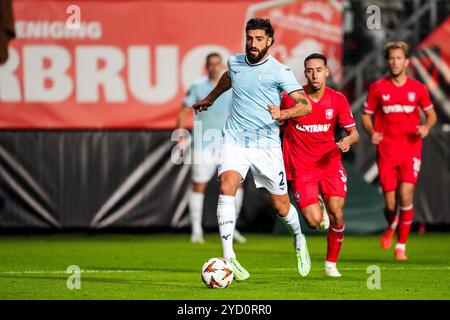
205, 151
251, 136
393, 101
313, 158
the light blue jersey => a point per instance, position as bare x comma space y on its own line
254, 87
214, 118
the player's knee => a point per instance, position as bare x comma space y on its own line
313, 221
337, 217
228, 186
282, 206
227, 189
336, 212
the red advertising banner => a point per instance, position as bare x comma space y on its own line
431, 64
128, 64
302, 28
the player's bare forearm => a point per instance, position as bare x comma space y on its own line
367, 123
301, 108
352, 135
351, 138
430, 121
431, 118
222, 86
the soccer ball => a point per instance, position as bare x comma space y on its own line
217, 273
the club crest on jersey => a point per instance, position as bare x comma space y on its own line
411, 96
329, 114
386, 97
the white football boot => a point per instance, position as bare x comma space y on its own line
197, 238
331, 270
303, 259
240, 274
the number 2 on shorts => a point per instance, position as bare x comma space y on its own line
282, 184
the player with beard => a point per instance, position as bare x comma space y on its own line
251, 136
395, 102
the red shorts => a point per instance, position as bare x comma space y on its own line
331, 181
403, 169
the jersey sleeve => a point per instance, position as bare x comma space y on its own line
287, 81
345, 116
424, 100
371, 103
191, 97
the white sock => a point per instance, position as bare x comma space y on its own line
401, 246
226, 217
292, 223
196, 211
329, 264
239, 198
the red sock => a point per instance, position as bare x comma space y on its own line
335, 238
404, 225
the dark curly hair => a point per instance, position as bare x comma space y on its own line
261, 24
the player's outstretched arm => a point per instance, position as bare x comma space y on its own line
351, 138
301, 108
222, 86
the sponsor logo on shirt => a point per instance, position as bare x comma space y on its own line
397, 108
313, 128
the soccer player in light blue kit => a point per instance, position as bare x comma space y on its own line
251, 136
205, 147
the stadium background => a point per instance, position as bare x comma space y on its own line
87, 115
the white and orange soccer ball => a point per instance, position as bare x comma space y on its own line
217, 273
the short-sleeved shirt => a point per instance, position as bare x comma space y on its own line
214, 118
309, 141
396, 109
254, 87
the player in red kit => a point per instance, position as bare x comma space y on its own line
395, 102
312, 157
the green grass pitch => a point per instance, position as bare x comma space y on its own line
167, 266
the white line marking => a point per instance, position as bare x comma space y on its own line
270, 269
384, 268
65, 272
